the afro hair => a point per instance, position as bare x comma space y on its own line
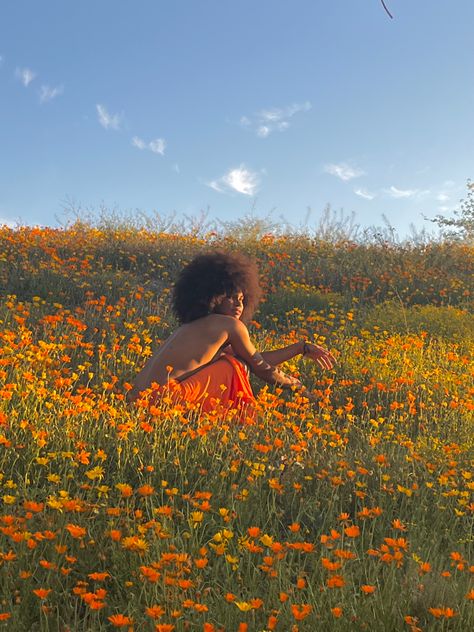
211, 276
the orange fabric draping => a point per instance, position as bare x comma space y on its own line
223, 384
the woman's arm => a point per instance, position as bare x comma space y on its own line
243, 347
278, 356
318, 354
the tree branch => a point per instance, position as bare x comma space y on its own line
386, 10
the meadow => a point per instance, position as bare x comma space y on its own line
352, 514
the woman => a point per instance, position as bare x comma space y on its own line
206, 360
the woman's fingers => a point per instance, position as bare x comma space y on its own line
322, 356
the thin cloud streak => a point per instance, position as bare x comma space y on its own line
48, 94
343, 171
363, 193
239, 180
401, 193
271, 120
107, 120
25, 75
138, 143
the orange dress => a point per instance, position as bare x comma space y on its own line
224, 384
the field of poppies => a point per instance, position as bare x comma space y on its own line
352, 514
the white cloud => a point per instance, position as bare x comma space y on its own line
157, 146
343, 171
138, 143
2, 59
263, 131
107, 120
273, 119
401, 193
48, 94
25, 75
176, 168
239, 179
442, 197
363, 193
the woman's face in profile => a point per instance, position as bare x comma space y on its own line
232, 305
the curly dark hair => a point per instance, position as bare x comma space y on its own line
211, 276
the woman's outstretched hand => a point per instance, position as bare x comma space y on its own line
318, 354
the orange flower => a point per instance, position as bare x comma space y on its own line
201, 562
272, 622
146, 490
367, 589
120, 620
253, 532
336, 612
301, 583
99, 577
155, 612
336, 581
76, 531
352, 532
4, 616
42, 593
208, 627
447, 613
164, 627
397, 524
243, 627
301, 612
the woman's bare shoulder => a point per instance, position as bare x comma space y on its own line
226, 323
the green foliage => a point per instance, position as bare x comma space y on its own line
436, 321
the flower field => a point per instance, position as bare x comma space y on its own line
353, 514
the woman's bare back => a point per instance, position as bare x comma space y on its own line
190, 347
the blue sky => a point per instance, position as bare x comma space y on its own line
269, 107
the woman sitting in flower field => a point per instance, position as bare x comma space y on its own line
207, 358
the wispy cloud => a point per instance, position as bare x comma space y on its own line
363, 193
2, 59
272, 120
107, 120
138, 143
25, 75
239, 180
157, 146
401, 193
343, 171
48, 94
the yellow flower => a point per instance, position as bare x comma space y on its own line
243, 606
196, 518
9, 500
95, 472
266, 540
